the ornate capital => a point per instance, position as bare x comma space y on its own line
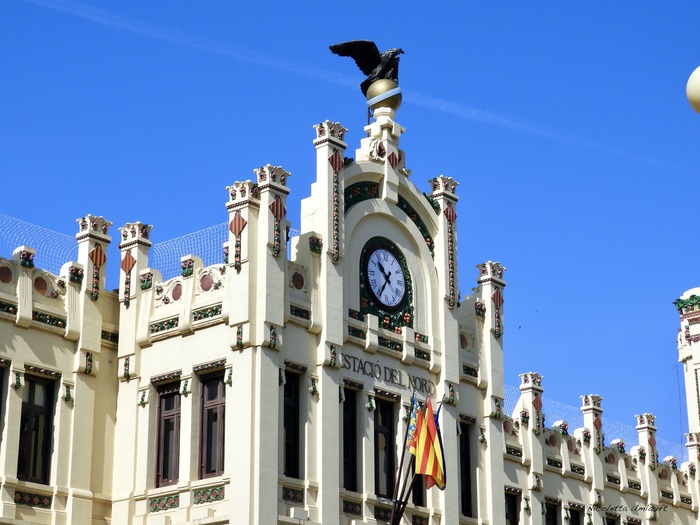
241, 193
92, 227
135, 233
490, 270
328, 129
272, 174
692, 439
444, 187
646, 420
591, 401
530, 379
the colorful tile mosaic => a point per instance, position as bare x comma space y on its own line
52, 320
163, 326
8, 307
352, 507
205, 313
382, 514
208, 495
214, 365
112, 337
34, 500
292, 494
164, 503
42, 371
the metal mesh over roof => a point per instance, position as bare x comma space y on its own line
53, 249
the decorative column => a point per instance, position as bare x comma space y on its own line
136, 292
444, 199
256, 309
532, 425
328, 188
93, 241
271, 303
323, 215
490, 283
134, 284
327, 223
444, 356
648, 461
489, 307
243, 211
134, 248
593, 440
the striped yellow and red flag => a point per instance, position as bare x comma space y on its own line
430, 460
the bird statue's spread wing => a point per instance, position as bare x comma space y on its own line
364, 52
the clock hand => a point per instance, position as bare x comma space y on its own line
381, 268
381, 290
391, 288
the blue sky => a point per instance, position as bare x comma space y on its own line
565, 123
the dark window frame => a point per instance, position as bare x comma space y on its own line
166, 416
30, 452
292, 425
575, 516
212, 410
553, 514
384, 427
350, 441
466, 505
512, 504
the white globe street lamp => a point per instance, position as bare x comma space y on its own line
692, 90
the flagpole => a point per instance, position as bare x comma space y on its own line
397, 513
403, 454
402, 507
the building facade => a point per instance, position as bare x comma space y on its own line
274, 388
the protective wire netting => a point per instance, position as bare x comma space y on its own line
556, 411
207, 244
54, 249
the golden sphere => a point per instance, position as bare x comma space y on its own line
379, 96
692, 90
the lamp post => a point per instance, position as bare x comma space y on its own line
692, 90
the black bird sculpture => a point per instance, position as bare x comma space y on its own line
371, 62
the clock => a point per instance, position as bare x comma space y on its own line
385, 278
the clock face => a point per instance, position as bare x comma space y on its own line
385, 278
